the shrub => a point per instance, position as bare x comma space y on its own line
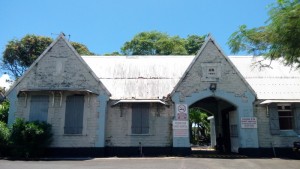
30, 138
4, 107
4, 134
4, 138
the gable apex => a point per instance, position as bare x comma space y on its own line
60, 39
199, 54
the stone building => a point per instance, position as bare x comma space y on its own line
132, 105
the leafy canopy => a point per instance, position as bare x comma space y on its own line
158, 43
199, 125
20, 54
280, 38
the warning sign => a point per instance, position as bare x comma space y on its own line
181, 112
248, 122
181, 133
180, 124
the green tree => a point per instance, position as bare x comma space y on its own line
20, 54
193, 43
199, 125
4, 107
81, 49
158, 43
115, 53
280, 38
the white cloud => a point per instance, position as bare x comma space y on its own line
5, 81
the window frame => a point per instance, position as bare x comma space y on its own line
284, 108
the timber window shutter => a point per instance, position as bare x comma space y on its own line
297, 117
74, 114
39, 105
140, 118
274, 119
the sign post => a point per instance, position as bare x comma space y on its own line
181, 123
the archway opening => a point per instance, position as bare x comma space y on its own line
213, 125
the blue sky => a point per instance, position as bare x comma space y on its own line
104, 25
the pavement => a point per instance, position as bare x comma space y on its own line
153, 163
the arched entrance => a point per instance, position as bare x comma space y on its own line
230, 108
223, 133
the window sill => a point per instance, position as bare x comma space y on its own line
139, 134
74, 134
288, 133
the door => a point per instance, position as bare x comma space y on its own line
234, 134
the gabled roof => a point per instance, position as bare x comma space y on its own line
61, 36
275, 81
210, 38
139, 77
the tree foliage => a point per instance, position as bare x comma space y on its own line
280, 38
20, 54
4, 107
4, 134
199, 125
158, 43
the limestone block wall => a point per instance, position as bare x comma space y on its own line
60, 68
59, 73
118, 127
265, 138
228, 80
211, 66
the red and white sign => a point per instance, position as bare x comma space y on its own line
180, 124
181, 112
181, 133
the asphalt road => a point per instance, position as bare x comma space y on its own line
154, 163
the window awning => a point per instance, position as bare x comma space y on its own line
57, 90
141, 101
280, 101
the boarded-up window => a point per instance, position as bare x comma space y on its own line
140, 118
39, 108
74, 114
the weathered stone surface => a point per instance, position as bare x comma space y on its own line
57, 72
118, 128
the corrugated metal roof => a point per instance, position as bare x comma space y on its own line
139, 77
275, 81
154, 77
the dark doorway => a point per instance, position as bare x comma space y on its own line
218, 110
226, 129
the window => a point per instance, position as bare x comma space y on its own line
285, 116
74, 114
140, 118
39, 108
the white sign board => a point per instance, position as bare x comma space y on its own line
180, 124
180, 133
248, 122
181, 112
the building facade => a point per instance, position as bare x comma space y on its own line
138, 105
